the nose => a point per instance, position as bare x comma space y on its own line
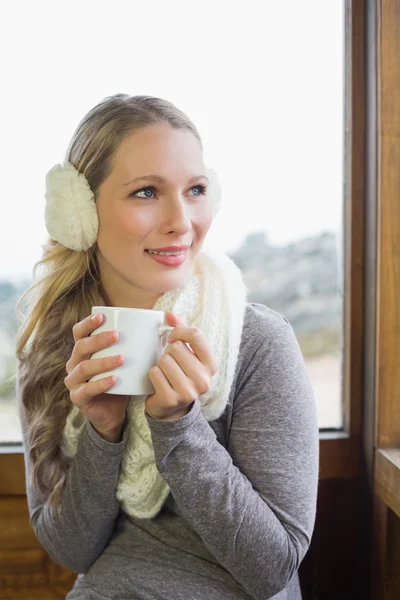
176, 215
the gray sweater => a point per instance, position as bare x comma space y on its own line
241, 510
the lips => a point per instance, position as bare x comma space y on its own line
168, 260
170, 248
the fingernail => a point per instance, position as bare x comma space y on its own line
99, 315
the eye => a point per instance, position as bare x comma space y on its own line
145, 189
201, 191
200, 187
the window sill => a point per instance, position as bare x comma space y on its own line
324, 434
16, 448
387, 477
339, 459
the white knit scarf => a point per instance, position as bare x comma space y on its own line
213, 299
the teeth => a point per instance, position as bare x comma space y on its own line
167, 253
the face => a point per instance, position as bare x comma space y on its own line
139, 213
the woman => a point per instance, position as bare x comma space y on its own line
207, 488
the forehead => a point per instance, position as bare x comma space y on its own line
158, 146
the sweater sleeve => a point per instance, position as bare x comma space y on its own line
78, 534
253, 504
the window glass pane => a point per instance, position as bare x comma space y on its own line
263, 82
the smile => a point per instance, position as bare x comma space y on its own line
169, 259
167, 253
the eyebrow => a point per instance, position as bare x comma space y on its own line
161, 180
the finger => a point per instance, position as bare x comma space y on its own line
194, 370
86, 326
89, 368
198, 343
83, 395
175, 320
177, 379
162, 387
85, 347
185, 358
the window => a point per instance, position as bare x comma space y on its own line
269, 108
268, 76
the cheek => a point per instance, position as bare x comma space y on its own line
204, 221
126, 225
137, 224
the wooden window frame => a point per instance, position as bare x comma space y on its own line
385, 555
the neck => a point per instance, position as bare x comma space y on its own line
127, 301
115, 294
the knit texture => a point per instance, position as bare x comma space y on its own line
212, 299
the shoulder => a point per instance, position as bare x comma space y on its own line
261, 324
270, 368
266, 336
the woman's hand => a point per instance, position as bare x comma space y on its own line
182, 374
106, 412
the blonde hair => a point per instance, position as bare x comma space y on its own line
68, 289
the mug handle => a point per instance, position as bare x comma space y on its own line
162, 330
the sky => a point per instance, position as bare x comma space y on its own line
262, 80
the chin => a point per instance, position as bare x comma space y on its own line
171, 280
172, 283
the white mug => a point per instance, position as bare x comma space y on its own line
140, 343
